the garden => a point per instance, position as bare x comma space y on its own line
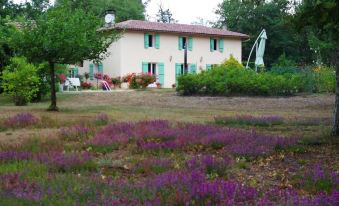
104, 152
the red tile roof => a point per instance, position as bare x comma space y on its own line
137, 25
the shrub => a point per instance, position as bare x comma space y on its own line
317, 179
325, 79
231, 78
20, 80
21, 120
86, 85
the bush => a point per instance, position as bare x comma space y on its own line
137, 81
231, 78
324, 79
20, 80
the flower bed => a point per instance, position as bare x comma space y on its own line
158, 135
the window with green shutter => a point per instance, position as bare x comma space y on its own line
221, 45
190, 43
101, 68
161, 73
75, 72
157, 41
193, 68
146, 41
180, 44
145, 67
178, 72
91, 71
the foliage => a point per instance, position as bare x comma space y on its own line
116, 81
231, 78
86, 85
125, 10
250, 17
165, 15
137, 81
20, 80
63, 35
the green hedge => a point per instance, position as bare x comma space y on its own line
233, 79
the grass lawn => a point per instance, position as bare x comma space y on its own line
156, 148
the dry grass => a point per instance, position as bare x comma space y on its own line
165, 104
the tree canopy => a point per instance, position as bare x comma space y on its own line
250, 17
63, 35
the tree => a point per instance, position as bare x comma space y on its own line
20, 80
250, 17
64, 35
125, 9
320, 19
165, 15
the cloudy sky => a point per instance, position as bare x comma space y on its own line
185, 11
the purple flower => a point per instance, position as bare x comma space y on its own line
6, 156
21, 120
76, 132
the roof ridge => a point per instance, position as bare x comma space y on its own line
142, 25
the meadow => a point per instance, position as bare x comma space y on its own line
156, 148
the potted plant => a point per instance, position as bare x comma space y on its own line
158, 85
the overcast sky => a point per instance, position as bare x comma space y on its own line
185, 11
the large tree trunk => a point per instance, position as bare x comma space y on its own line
53, 106
335, 130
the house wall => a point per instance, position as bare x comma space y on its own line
128, 53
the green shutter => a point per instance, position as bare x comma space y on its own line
157, 41
190, 43
76, 72
161, 73
193, 68
177, 72
208, 67
221, 45
101, 68
91, 72
145, 67
180, 42
146, 41
212, 44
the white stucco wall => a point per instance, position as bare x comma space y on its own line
128, 53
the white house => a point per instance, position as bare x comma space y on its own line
158, 48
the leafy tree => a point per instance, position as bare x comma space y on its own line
125, 9
64, 35
320, 19
20, 80
250, 17
165, 15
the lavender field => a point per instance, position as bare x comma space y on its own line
154, 148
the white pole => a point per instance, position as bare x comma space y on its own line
255, 44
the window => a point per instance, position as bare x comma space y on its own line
215, 44
152, 68
184, 42
150, 40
